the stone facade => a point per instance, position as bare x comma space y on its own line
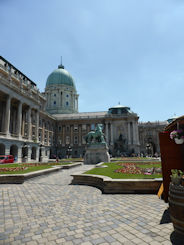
26, 130
149, 137
121, 131
35, 126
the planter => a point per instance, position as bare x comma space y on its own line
176, 180
176, 207
179, 141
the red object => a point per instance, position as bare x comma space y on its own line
172, 157
6, 159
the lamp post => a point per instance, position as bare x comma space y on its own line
24, 152
40, 153
148, 149
69, 151
56, 145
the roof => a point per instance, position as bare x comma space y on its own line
10, 65
81, 115
173, 124
60, 76
119, 106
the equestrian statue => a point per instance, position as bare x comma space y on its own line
95, 137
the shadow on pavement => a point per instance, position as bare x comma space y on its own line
165, 217
176, 238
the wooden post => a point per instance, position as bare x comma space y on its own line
172, 157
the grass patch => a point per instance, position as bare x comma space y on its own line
113, 168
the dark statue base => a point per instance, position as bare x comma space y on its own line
96, 153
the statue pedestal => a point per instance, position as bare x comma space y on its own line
96, 153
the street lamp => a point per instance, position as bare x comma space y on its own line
24, 152
40, 153
69, 151
148, 149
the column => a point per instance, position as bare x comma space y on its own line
43, 132
7, 116
37, 127
129, 136
137, 134
29, 123
134, 133
111, 125
19, 155
63, 135
19, 119
107, 132
71, 135
29, 152
23, 123
80, 134
48, 137
13, 122
37, 153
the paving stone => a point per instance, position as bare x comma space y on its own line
48, 210
109, 239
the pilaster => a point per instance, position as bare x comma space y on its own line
29, 123
129, 135
19, 119
37, 126
111, 125
7, 115
107, 132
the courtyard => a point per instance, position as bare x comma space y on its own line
49, 210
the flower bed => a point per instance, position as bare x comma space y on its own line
138, 168
17, 168
129, 170
14, 169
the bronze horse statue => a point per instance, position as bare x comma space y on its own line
96, 136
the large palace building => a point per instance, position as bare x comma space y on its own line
37, 126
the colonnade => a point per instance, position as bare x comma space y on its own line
132, 133
18, 119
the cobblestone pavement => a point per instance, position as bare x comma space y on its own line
48, 210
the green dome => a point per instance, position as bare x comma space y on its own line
60, 76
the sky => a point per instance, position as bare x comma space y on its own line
118, 51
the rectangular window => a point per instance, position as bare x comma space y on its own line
83, 140
45, 138
67, 140
84, 127
92, 126
75, 140
40, 135
59, 128
59, 140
